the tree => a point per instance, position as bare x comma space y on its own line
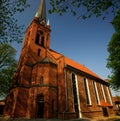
10, 31
8, 65
113, 61
7, 54
85, 8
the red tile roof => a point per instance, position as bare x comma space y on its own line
74, 64
104, 104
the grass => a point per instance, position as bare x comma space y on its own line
113, 118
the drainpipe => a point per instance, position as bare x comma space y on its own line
66, 92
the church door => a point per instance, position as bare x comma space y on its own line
105, 112
40, 106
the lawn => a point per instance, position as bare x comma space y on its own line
113, 118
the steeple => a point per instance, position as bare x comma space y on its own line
41, 12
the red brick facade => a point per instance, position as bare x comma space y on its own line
49, 85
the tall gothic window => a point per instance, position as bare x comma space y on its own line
87, 92
74, 92
96, 92
103, 93
109, 96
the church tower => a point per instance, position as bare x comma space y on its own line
36, 42
33, 94
47, 84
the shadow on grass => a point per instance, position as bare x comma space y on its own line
112, 119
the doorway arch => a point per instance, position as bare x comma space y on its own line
40, 106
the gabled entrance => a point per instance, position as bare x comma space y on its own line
40, 106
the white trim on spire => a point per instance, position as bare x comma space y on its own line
48, 22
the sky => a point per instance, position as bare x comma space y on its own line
84, 41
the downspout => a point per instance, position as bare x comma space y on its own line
66, 92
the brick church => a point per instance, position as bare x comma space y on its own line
48, 84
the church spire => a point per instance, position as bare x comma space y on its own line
41, 12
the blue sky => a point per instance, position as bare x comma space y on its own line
84, 41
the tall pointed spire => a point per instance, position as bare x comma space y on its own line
41, 12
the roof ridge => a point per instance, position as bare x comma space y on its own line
55, 51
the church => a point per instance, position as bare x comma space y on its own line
47, 84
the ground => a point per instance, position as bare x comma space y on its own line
113, 118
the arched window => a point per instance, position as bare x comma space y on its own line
103, 93
37, 38
42, 80
96, 92
74, 92
109, 96
87, 92
40, 98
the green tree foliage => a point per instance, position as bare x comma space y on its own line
10, 31
7, 54
85, 8
8, 65
113, 61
